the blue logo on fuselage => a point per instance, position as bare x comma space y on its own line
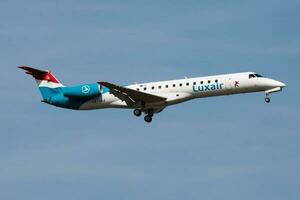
209, 87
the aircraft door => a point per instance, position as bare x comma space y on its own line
228, 83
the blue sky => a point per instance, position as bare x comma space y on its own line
233, 147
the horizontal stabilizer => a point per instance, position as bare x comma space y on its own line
33, 71
40, 74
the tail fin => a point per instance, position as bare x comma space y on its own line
48, 84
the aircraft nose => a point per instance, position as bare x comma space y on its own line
283, 85
278, 84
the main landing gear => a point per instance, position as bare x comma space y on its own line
137, 112
148, 116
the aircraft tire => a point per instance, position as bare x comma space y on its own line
137, 112
148, 118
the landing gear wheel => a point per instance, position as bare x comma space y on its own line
268, 100
148, 118
137, 112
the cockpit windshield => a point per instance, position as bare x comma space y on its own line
258, 75
255, 76
251, 76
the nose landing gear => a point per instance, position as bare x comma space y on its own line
267, 100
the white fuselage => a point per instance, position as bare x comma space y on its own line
181, 90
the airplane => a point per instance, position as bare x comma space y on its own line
148, 98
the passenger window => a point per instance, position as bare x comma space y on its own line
167, 86
145, 88
208, 81
159, 87
201, 82
174, 85
138, 89
216, 81
187, 84
153, 87
194, 83
180, 84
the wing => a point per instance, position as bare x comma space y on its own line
132, 97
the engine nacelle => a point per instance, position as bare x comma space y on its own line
86, 91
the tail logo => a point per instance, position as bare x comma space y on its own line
85, 89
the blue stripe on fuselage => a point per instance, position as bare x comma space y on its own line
55, 97
49, 92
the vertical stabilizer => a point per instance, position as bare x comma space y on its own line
48, 84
